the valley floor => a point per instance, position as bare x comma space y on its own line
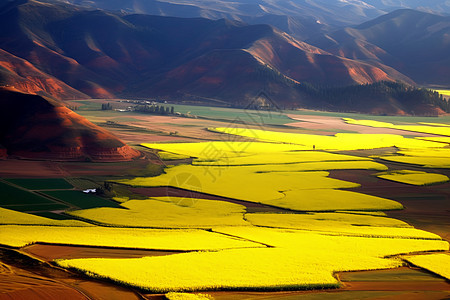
30, 270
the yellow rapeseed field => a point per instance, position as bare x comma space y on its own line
228, 182
424, 161
444, 92
158, 239
340, 141
413, 177
297, 260
440, 130
167, 212
340, 223
13, 217
437, 263
280, 158
186, 296
442, 152
171, 156
331, 199
210, 150
440, 139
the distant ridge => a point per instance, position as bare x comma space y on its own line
64, 51
414, 43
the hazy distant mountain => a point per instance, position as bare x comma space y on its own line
415, 43
300, 18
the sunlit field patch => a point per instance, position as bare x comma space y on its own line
340, 141
208, 150
413, 177
436, 263
304, 166
157, 239
340, 223
428, 158
439, 130
186, 296
279, 158
306, 191
163, 155
426, 162
439, 139
444, 92
299, 260
257, 187
168, 212
330, 200
19, 218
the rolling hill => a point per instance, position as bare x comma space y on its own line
32, 126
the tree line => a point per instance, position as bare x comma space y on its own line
155, 109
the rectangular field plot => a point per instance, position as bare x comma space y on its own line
37, 207
12, 217
21, 200
437, 263
81, 200
41, 183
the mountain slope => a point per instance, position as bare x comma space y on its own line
105, 55
37, 127
415, 43
301, 18
25, 77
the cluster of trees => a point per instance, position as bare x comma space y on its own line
155, 109
359, 96
106, 106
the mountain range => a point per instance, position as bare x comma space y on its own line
300, 18
327, 59
67, 51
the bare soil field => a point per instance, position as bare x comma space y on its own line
52, 252
426, 207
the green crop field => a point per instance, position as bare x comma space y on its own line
41, 183
13, 198
81, 200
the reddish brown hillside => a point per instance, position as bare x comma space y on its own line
303, 62
35, 127
25, 77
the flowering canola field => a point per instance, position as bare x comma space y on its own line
168, 212
325, 228
295, 260
436, 263
413, 177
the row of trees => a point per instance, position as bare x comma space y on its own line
357, 97
155, 109
106, 106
